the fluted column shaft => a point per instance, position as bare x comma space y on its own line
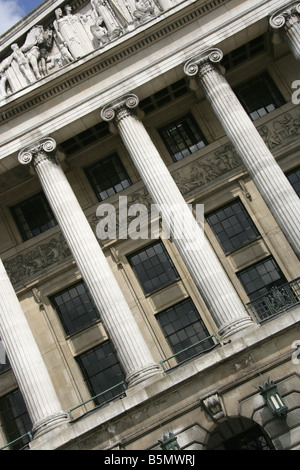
115, 313
286, 22
268, 177
196, 252
26, 361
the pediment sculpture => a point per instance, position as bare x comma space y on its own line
72, 36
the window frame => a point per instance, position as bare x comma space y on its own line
124, 183
111, 360
265, 289
24, 226
185, 330
92, 314
246, 100
295, 172
247, 219
141, 253
190, 128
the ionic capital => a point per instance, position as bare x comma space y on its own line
38, 151
204, 62
120, 108
286, 16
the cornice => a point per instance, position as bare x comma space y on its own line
99, 60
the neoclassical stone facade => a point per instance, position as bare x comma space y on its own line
130, 323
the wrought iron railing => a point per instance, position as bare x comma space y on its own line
121, 385
191, 347
276, 301
27, 436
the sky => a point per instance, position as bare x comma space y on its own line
11, 11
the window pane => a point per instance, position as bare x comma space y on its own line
153, 267
101, 370
15, 418
33, 216
75, 308
294, 179
108, 177
259, 279
232, 226
182, 137
183, 327
259, 96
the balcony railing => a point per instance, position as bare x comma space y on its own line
276, 301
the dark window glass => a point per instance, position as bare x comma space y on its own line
153, 267
164, 96
101, 370
245, 52
85, 138
253, 439
232, 226
259, 278
33, 216
108, 177
183, 327
182, 137
259, 96
75, 308
15, 419
294, 179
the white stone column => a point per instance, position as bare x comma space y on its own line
117, 318
268, 177
27, 363
196, 252
286, 27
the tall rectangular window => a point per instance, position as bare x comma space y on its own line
259, 278
108, 177
259, 96
294, 179
101, 370
182, 137
75, 308
153, 267
33, 216
183, 327
232, 226
14, 418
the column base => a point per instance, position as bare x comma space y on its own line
141, 375
48, 424
236, 327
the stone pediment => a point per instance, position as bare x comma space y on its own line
68, 33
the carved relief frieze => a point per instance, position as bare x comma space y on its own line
33, 261
205, 170
281, 130
54, 251
72, 36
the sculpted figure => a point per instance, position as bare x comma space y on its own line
123, 9
22, 62
103, 9
100, 33
71, 31
144, 10
4, 82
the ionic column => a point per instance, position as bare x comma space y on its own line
26, 361
286, 26
268, 177
117, 318
197, 254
